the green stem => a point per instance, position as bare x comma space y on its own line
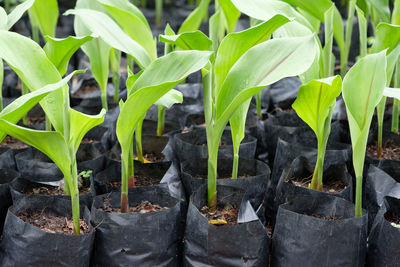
124, 182
235, 167
258, 104
349, 31
24, 91
190, 2
75, 199
161, 120
138, 138
395, 116
159, 10
131, 177
358, 196
7, 6
212, 176
380, 114
104, 98
115, 63
144, 3
129, 63
35, 34
47, 123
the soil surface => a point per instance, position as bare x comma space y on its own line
227, 215
84, 188
322, 217
393, 219
152, 157
52, 223
329, 186
144, 207
140, 180
85, 90
89, 141
13, 143
35, 120
390, 151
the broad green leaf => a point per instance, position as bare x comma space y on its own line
193, 21
387, 36
363, 26
34, 68
103, 26
380, 11
44, 14
19, 107
169, 99
50, 143
97, 49
59, 51
362, 91
81, 124
392, 92
215, 29
262, 65
230, 13
234, 45
188, 41
155, 81
327, 56
17, 13
3, 19
315, 100
130, 19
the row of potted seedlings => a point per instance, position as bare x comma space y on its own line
138, 190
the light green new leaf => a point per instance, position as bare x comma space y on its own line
193, 21
379, 10
19, 107
34, 68
60, 51
392, 92
169, 99
3, 19
44, 14
17, 13
50, 143
362, 90
103, 26
387, 36
315, 101
363, 27
188, 41
81, 124
230, 13
130, 19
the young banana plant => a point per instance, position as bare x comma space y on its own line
36, 70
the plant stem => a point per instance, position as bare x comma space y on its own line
115, 63
131, 177
124, 184
395, 116
159, 10
258, 104
235, 166
161, 120
212, 175
75, 198
47, 123
24, 91
358, 196
104, 98
138, 138
348, 34
190, 2
35, 34
144, 3
380, 114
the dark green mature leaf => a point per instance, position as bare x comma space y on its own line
44, 14
60, 51
188, 41
34, 68
134, 24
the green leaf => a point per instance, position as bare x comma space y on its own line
130, 19
81, 124
50, 143
362, 91
3, 19
363, 26
387, 36
44, 14
315, 100
392, 92
17, 13
19, 107
188, 41
34, 68
380, 11
103, 26
230, 13
170, 98
193, 21
59, 51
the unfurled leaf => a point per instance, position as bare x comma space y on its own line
17, 12
44, 14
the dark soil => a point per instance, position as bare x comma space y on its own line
13, 143
393, 219
84, 188
322, 217
144, 207
329, 186
269, 229
85, 90
89, 141
390, 151
227, 215
221, 143
52, 223
35, 120
140, 180
152, 157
